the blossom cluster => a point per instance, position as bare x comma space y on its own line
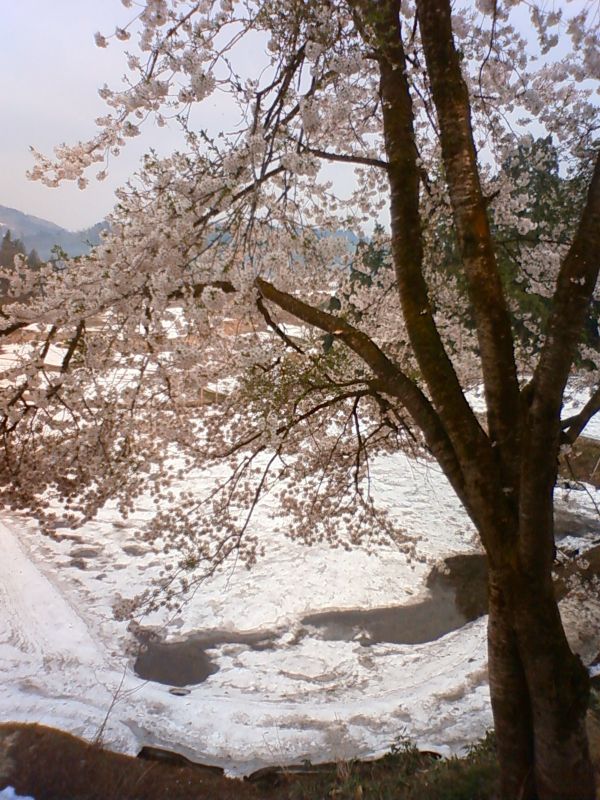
159, 354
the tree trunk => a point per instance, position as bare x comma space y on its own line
510, 701
539, 691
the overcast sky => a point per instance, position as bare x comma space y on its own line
50, 71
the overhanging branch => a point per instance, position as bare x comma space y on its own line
573, 427
389, 378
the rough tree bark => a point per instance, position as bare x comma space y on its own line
539, 688
504, 474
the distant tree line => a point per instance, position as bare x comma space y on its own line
9, 248
12, 247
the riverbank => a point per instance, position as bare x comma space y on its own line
47, 764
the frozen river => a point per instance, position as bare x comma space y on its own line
281, 674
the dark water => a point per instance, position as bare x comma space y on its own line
185, 662
174, 663
573, 523
408, 624
457, 594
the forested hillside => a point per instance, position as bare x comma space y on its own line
40, 235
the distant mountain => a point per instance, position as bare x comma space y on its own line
41, 235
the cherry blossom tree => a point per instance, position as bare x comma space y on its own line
174, 339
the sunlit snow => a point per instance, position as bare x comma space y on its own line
68, 663
66, 659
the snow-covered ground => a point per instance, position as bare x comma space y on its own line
68, 663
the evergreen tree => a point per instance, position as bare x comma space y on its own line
9, 249
33, 260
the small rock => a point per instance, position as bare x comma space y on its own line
85, 552
179, 691
134, 549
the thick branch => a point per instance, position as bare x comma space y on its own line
380, 26
574, 289
575, 286
573, 426
486, 294
389, 378
347, 159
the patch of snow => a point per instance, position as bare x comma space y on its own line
9, 794
11, 354
295, 331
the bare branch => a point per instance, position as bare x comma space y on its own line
198, 288
275, 327
248, 189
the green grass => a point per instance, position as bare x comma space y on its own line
407, 774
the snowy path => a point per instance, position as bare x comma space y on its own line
51, 661
37, 621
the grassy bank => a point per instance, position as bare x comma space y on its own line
51, 765
48, 764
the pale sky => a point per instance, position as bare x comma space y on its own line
50, 71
